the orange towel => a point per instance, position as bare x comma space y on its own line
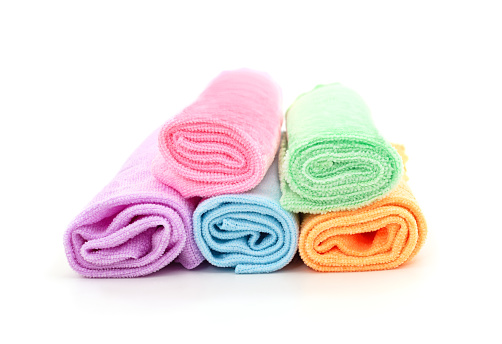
382, 235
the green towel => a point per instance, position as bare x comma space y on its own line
334, 158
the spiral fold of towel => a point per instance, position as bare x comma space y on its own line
334, 158
226, 140
134, 226
248, 231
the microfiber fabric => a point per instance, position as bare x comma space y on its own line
226, 140
382, 235
135, 226
334, 158
248, 231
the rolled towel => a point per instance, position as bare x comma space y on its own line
226, 140
382, 235
135, 226
248, 231
334, 157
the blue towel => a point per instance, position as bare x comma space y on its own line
248, 231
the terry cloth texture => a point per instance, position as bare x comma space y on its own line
380, 236
248, 231
226, 140
334, 158
135, 226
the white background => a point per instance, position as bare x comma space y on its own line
83, 83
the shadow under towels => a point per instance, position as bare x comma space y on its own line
226, 140
248, 231
135, 226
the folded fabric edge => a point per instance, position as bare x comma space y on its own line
86, 214
206, 186
211, 203
394, 200
215, 127
300, 204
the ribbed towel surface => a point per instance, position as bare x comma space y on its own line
380, 236
226, 140
134, 226
334, 158
248, 231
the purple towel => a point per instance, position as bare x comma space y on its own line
135, 226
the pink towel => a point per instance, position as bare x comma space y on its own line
134, 226
226, 140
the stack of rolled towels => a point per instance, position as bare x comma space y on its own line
220, 182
